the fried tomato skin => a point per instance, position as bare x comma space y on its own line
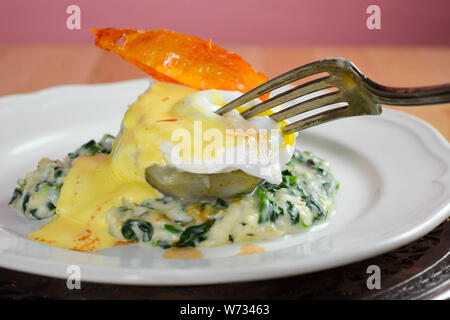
174, 57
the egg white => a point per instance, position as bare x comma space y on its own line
234, 154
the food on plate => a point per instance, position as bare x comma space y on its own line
177, 174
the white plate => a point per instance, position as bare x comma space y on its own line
393, 170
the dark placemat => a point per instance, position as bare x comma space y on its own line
419, 270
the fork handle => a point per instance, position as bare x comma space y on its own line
408, 96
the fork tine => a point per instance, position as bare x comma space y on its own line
308, 105
319, 118
301, 90
286, 78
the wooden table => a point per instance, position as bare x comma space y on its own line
29, 68
33, 67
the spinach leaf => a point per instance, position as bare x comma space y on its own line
25, 202
193, 234
269, 210
16, 196
223, 204
51, 206
172, 229
293, 212
92, 148
268, 207
311, 203
107, 142
134, 229
88, 149
162, 244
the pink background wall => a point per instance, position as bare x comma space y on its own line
272, 22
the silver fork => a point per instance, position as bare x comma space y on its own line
361, 95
